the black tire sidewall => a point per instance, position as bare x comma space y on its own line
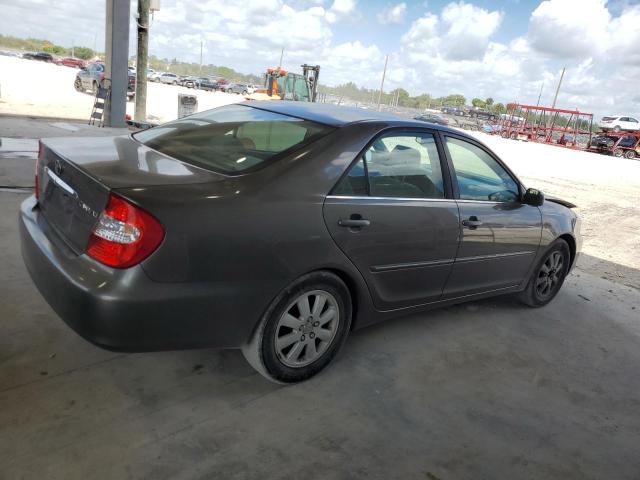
557, 246
314, 281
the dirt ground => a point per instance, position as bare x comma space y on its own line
30, 87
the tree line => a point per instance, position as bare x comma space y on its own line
40, 45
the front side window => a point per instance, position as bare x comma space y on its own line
401, 165
232, 139
480, 176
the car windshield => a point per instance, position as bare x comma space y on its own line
232, 139
608, 119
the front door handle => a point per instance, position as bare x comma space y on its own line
472, 222
353, 222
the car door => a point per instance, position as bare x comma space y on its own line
393, 216
499, 235
86, 76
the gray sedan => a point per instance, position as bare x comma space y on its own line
278, 227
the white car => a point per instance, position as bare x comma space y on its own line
618, 124
169, 78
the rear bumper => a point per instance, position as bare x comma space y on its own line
124, 310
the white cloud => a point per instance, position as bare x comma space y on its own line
570, 28
340, 9
393, 14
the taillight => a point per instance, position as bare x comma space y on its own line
125, 234
37, 183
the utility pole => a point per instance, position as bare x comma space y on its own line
142, 59
281, 56
384, 72
540, 94
558, 89
200, 57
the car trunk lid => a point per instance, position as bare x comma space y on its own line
76, 176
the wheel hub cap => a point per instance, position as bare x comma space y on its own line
307, 328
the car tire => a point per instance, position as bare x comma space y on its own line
78, 85
175, 83
513, 136
279, 348
618, 152
630, 154
548, 276
617, 129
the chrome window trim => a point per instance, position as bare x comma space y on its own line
402, 199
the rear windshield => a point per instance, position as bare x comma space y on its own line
232, 139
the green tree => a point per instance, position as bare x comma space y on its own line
489, 101
499, 108
476, 102
84, 53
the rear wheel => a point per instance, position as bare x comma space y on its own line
302, 330
618, 152
78, 85
513, 136
630, 154
617, 129
548, 276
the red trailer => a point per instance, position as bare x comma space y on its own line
566, 128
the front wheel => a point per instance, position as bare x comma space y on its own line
548, 276
617, 129
618, 152
630, 154
302, 330
78, 85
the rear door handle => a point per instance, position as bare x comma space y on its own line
354, 223
472, 222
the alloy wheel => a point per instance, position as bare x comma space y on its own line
550, 275
307, 328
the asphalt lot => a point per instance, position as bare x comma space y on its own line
485, 390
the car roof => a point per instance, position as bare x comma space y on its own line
334, 115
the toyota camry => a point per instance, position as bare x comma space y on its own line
278, 228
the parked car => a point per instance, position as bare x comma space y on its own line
482, 113
618, 124
42, 56
71, 62
241, 88
93, 76
206, 83
451, 110
155, 76
169, 78
432, 118
218, 233
621, 145
190, 82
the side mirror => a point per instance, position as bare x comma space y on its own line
533, 197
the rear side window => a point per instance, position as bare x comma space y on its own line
232, 139
400, 165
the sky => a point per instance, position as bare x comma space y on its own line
505, 49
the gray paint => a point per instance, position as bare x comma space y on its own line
117, 59
234, 242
